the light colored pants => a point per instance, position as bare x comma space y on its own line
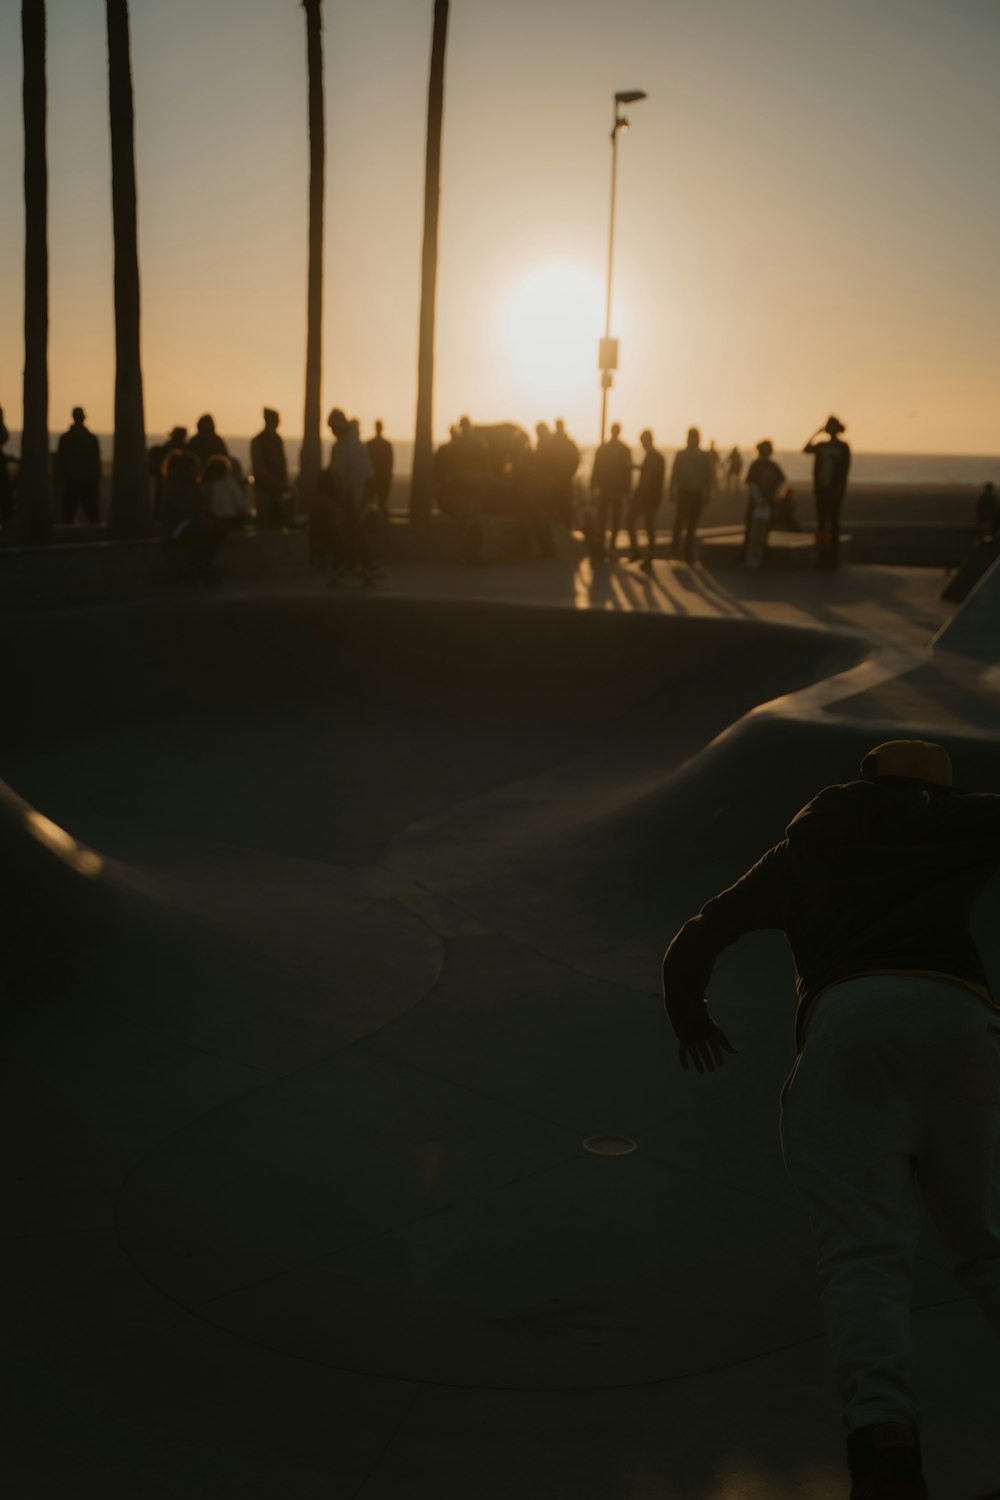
893, 1113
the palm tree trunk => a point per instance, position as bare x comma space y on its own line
421, 485
34, 505
129, 515
310, 461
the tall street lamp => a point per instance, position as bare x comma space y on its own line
607, 359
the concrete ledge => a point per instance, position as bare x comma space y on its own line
936, 545
720, 548
442, 540
85, 566
96, 569
974, 628
105, 571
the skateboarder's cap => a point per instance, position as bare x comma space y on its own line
918, 759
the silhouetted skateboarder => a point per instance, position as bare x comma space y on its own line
892, 1109
765, 483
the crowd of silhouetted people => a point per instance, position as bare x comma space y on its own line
484, 471
199, 492
493, 470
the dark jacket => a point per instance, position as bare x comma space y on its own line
870, 876
831, 462
380, 453
612, 471
651, 477
78, 457
207, 445
767, 476
267, 460
692, 472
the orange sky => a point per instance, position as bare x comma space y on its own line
807, 214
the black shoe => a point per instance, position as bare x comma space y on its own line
885, 1463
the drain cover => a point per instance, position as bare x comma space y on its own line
609, 1145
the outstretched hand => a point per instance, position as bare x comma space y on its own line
703, 1042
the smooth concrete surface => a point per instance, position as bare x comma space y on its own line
332, 930
83, 565
972, 630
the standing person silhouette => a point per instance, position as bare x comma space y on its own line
206, 442
565, 460
892, 1110
269, 467
610, 482
78, 470
734, 468
690, 489
351, 474
531, 485
832, 460
381, 456
546, 463
469, 470
714, 458
646, 500
765, 482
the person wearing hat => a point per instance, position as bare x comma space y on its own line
269, 468
832, 460
892, 1109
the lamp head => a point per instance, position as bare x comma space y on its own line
629, 96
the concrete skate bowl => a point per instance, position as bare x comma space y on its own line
345, 917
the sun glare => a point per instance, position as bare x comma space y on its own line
552, 320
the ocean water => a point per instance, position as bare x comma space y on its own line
943, 469
932, 469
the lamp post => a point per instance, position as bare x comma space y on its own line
607, 358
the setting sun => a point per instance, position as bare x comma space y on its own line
551, 322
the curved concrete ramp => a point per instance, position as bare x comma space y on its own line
368, 903
974, 628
